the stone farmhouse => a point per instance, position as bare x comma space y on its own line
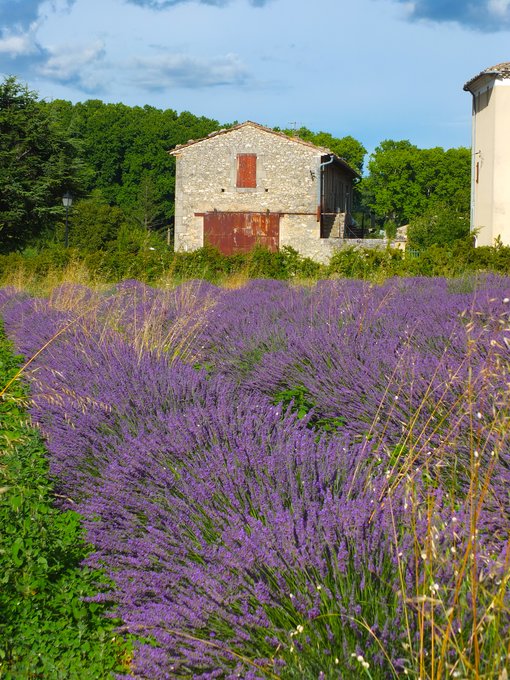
250, 185
490, 169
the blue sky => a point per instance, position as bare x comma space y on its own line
374, 69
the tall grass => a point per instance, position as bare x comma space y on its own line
462, 621
41, 271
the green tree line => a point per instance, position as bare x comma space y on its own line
429, 189
111, 157
114, 160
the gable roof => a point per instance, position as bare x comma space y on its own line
324, 151
499, 70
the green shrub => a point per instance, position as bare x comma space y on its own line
94, 224
135, 253
204, 263
367, 263
262, 263
440, 225
144, 255
48, 629
208, 263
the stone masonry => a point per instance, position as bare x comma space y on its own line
288, 172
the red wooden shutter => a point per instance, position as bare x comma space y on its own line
246, 170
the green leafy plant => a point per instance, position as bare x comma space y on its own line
50, 626
299, 401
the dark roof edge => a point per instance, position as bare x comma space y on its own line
502, 70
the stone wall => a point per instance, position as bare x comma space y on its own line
286, 183
322, 249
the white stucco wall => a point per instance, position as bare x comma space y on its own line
490, 185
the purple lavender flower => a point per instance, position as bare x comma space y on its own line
242, 538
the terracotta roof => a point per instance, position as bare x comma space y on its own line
179, 147
500, 70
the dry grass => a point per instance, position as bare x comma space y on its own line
76, 272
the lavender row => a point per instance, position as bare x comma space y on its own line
242, 539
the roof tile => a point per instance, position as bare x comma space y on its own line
501, 70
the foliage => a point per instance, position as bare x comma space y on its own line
204, 263
299, 401
48, 626
248, 540
452, 259
404, 181
38, 163
136, 253
440, 225
283, 264
348, 148
126, 149
364, 263
208, 263
146, 212
94, 225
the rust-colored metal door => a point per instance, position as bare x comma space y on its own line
239, 232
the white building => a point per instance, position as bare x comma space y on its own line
490, 177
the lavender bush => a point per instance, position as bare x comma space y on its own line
286, 482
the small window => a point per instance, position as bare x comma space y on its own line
246, 170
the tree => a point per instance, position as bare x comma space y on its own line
350, 150
390, 190
440, 225
95, 225
126, 149
38, 163
347, 147
405, 181
147, 211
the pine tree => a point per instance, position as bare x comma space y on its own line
38, 163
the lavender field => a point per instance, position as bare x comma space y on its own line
286, 482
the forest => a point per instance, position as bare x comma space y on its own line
113, 159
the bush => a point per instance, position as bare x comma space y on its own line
94, 224
208, 263
440, 225
144, 255
366, 263
48, 626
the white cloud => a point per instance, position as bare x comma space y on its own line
165, 4
66, 62
19, 43
501, 8
185, 71
78, 66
